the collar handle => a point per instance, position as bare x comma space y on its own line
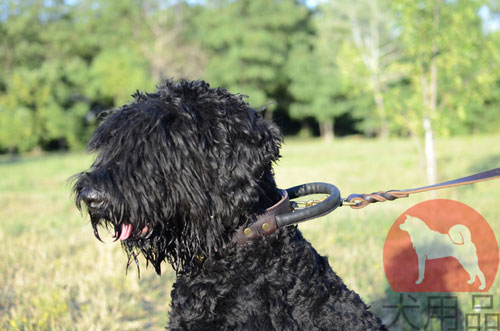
281, 215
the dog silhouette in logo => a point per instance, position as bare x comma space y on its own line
429, 245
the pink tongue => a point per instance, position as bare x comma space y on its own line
126, 231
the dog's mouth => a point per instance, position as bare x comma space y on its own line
122, 231
117, 229
127, 230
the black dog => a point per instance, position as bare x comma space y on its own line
179, 173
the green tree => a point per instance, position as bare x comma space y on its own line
41, 107
248, 42
48, 74
363, 39
316, 81
444, 48
483, 115
115, 74
60, 61
38, 87
163, 30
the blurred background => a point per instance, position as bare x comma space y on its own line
371, 95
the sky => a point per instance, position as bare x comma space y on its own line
491, 21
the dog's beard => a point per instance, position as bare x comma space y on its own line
157, 237
155, 241
147, 241
163, 245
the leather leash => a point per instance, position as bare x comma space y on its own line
358, 201
281, 214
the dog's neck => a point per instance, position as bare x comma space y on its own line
270, 203
269, 194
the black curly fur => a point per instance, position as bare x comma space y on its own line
187, 166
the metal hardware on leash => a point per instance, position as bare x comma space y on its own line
349, 203
298, 205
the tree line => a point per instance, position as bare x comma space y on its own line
379, 68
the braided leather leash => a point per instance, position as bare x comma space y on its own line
357, 201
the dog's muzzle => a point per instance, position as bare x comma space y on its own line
92, 198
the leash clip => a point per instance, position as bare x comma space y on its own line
347, 203
299, 205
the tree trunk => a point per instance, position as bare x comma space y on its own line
378, 97
430, 152
430, 94
429, 90
326, 130
371, 53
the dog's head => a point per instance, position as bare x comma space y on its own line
177, 171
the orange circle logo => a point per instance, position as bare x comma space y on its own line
441, 246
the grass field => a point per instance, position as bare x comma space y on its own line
54, 275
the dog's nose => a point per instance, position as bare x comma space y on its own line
92, 198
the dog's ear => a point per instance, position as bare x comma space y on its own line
247, 152
261, 145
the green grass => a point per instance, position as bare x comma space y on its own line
55, 275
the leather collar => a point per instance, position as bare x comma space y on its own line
265, 223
